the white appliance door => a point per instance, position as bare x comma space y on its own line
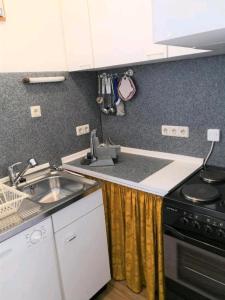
28, 265
83, 256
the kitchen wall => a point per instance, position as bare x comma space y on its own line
64, 106
187, 93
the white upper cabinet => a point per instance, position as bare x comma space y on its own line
32, 37
122, 32
174, 51
59, 35
77, 34
190, 23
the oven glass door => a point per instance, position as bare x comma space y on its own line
194, 267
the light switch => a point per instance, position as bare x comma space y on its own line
35, 111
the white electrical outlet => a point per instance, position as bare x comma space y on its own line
177, 131
183, 131
86, 128
213, 135
35, 111
83, 129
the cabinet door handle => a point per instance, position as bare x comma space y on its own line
155, 54
203, 275
70, 239
84, 66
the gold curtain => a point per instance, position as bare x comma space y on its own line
134, 227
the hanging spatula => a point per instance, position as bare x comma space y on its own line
99, 98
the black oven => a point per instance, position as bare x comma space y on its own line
194, 236
193, 261
200, 270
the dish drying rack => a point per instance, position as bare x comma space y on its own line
10, 200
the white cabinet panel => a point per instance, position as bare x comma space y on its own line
32, 37
189, 22
174, 18
122, 32
154, 51
76, 210
77, 34
174, 51
28, 265
83, 256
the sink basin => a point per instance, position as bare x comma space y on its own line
53, 187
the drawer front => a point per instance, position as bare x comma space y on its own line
76, 210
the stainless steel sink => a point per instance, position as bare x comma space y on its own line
55, 186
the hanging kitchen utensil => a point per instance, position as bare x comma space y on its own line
115, 90
108, 94
104, 109
120, 108
112, 105
126, 88
99, 98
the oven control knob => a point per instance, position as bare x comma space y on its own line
220, 233
184, 220
208, 229
196, 225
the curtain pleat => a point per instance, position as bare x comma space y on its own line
134, 227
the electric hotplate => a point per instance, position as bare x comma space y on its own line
210, 175
200, 194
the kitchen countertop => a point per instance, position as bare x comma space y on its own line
129, 167
149, 171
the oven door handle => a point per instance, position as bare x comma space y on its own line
181, 236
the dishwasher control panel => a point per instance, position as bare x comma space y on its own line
36, 235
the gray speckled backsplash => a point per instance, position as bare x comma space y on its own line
64, 106
186, 93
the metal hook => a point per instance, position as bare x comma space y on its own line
129, 72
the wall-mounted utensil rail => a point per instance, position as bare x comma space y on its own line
44, 79
129, 73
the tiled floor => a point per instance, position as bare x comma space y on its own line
117, 290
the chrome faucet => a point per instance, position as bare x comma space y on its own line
15, 178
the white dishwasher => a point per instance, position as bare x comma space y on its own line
81, 241
28, 265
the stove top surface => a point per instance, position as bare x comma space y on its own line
198, 192
204, 191
197, 208
212, 175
